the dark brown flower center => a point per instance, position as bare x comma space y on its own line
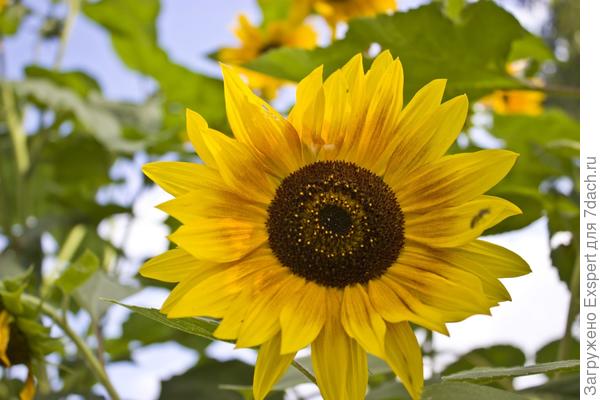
336, 224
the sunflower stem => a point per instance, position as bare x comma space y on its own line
73, 10
304, 372
82, 347
564, 346
15, 128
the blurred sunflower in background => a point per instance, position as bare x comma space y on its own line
520, 101
23, 339
254, 41
336, 227
335, 11
528, 102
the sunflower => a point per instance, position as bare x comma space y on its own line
336, 227
23, 339
255, 41
335, 11
528, 102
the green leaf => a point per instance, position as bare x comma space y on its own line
546, 152
208, 381
135, 40
530, 47
78, 272
100, 285
482, 375
195, 326
11, 17
119, 348
274, 10
471, 54
392, 390
559, 388
466, 391
549, 352
78, 81
497, 356
101, 124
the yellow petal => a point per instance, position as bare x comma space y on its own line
456, 226
307, 114
451, 264
403, 354
255, 123
302, 317
336, 113
395, 304
229, 327
28, 391
234, 161
270, 367
178, 178
220, 239
440, 285
214, 203
210, 291
196, 127
339, 362
407, 143
382, 119
453, 179
172, 266
452, 116
354, 75
262, 319
499, 261
4, 336
361, 321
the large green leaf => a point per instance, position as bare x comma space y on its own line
99, 286
119, 347
135, 40
466, 391
78, 272
482, 375
195, 326
209, 379
558, 388
101, 124
472, 53
548, 149
549, 352
78, 81
497, 356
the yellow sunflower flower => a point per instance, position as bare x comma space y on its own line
255, 41
335, 11
528, 102
14, 350
336, 227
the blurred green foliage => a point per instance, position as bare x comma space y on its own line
51, 175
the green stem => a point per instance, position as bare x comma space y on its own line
304, 372
83, 348
17, 133
564, 346
555, 90
74, 6
65, 255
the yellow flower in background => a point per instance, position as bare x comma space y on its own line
336, 227
528, 102
335, 11
14, 350
255, 41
